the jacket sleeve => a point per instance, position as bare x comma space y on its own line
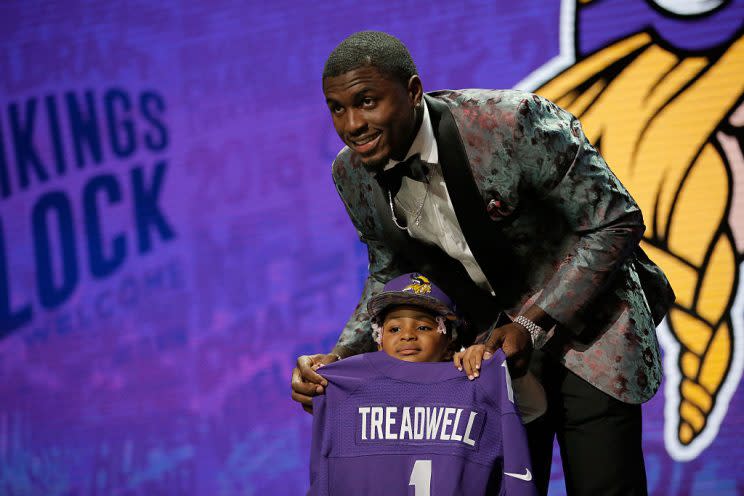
356, 336
560, 166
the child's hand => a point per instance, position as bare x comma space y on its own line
471, 359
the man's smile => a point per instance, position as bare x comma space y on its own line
365, 143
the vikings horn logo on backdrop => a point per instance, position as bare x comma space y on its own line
660, 96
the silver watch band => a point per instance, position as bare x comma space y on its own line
537, 333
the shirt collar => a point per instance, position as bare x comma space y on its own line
424, 142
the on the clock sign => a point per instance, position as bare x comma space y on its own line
132, 123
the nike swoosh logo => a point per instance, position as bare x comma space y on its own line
527, 476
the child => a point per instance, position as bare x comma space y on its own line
404, 316
385, 424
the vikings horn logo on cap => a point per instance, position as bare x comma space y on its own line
419, 284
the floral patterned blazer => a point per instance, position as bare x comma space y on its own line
547, 221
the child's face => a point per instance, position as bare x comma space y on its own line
410, 333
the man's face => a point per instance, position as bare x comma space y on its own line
410, 333
373, 113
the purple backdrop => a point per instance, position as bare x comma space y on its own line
170, 239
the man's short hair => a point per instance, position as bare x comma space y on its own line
371, 48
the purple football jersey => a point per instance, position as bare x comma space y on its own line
391, 427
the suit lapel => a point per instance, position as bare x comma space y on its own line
489, 247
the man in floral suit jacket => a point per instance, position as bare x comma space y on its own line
499, 197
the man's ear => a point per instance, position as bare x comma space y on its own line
415, 90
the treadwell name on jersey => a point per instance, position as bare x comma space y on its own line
418, 424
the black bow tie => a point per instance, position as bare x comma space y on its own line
412, 167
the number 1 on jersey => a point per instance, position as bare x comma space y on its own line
421, 477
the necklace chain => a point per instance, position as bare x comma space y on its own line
416, 214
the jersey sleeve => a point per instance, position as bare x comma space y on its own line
517, 478
344, 377
319, 448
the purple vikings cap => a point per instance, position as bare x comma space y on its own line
412, 289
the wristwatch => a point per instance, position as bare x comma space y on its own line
537, 333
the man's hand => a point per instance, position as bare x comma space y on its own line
515, 340
306, 382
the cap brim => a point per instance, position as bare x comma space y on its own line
378, 303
